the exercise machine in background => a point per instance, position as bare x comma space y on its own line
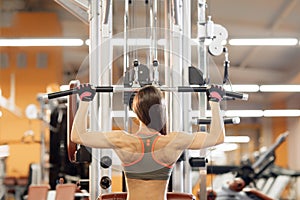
261, 179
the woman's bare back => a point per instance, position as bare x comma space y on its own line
146, 189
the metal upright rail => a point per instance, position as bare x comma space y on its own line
176, 69
153, 30
94, 73
202, 64
105, 104
187, 100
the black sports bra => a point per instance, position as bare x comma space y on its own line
147, 167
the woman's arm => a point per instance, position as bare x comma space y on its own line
80, 134
199, 140
216, 133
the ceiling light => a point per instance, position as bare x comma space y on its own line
279, 88
29, 42
237, 139
226, 147
242, 88
282, 113
244, 113
264, 42
263, 113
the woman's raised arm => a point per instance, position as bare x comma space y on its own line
81, 135
216, 134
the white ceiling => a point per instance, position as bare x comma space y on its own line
241, 18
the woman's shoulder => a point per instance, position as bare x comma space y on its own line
177, 139
121, 134
120, 138
177, 135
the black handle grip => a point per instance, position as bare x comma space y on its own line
235, 120
191, 89
236, 95
204, 89
61, 94
73, 91
104, 89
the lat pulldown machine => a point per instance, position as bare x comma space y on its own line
176, 46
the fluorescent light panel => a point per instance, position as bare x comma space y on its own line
262, 88
264, 42
263, 113
279, 88
226, 147
242, 88
282, 113
237, 139
244, 113
30, 42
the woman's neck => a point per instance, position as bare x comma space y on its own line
144, 129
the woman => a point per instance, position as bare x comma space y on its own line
149, 154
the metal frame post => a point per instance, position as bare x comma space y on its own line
187, 108
153, 27
100, 72
94, 74
176, 70
202, 63
78, 8
105, 109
